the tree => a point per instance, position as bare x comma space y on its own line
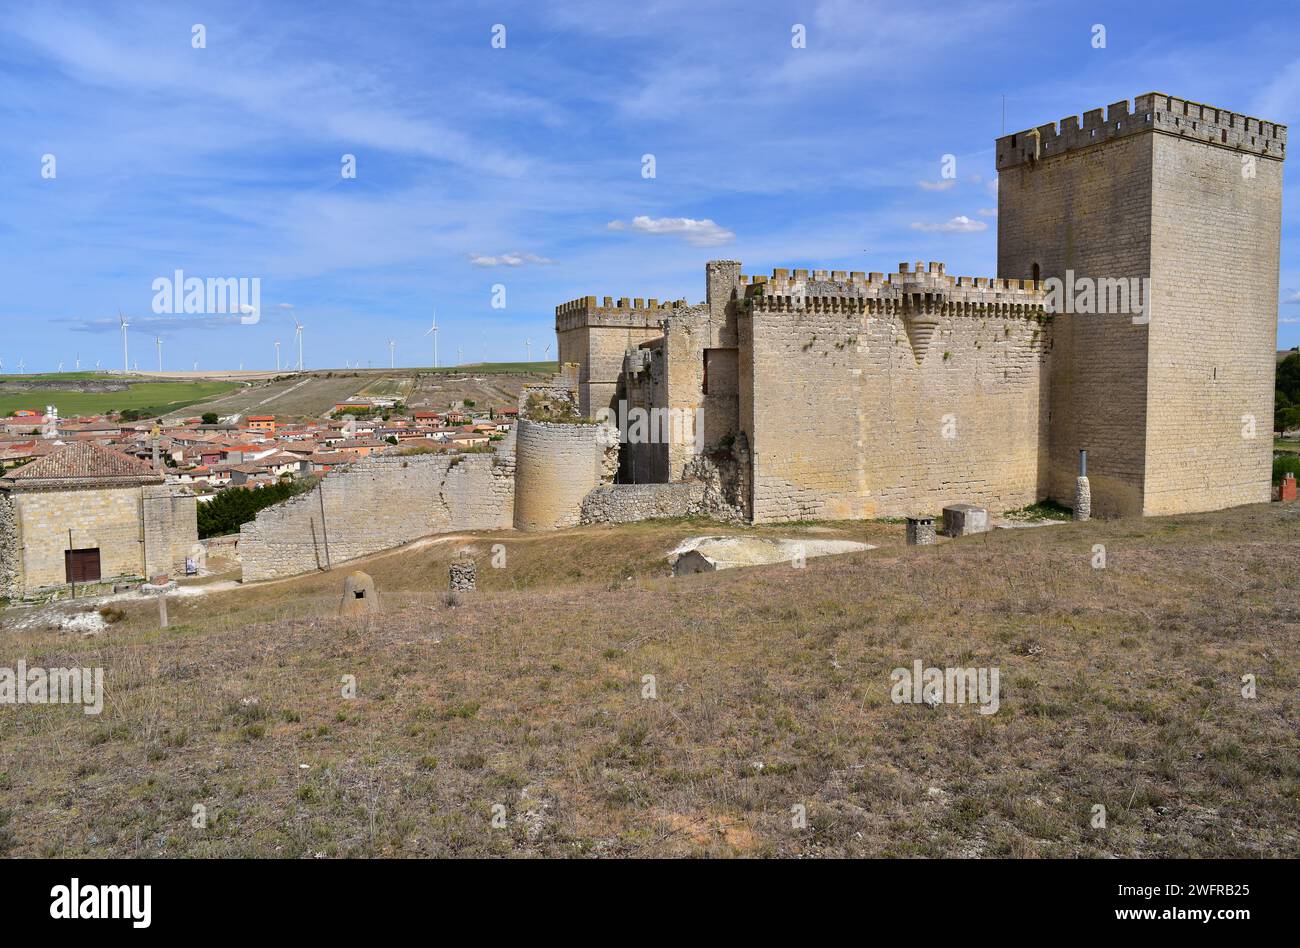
1286, 395
210, 418
238, 505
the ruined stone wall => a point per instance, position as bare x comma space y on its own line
852, 410
1215, 236
376, 504
557, 465
628, 503
11, 549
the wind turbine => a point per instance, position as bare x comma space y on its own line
392, 356
2, 365
433, 331
159, 341
460, 356
60, 367
297, 328
22, 366
277, 355
98, 362
126, 362
528, 348
546, 353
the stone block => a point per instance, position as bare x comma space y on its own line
961, 520
359, 595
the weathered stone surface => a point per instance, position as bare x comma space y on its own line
359, 595
961, 520
557, 465
628, 503
1082, 499
377, 504
920, 531
35, 525
463, 574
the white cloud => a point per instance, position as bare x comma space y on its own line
958, 225
943, 185
987, 212
507, 259
702, 233
1294, 297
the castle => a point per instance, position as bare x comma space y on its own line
1134, 318
826, 395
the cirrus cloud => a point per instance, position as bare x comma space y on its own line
507, 259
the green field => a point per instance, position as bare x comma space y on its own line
163, 396
493, 368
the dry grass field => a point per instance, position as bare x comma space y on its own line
1119, 686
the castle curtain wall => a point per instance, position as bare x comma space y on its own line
844, 422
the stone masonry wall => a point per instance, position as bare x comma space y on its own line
11, 549
557, 466
1213, 330
628, 503
376, 504
1159, 190
853, 412
1088, 212
107, 518
171, 530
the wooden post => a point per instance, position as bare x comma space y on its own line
72, 566
162, 611
324, 530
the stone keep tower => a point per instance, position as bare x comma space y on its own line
1174, 405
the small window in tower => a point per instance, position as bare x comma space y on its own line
1037, 273
705, 386
1224, 134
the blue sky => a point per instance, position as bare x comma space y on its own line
479, 166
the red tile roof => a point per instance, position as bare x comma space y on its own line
83, 460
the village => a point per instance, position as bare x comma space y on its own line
210, 453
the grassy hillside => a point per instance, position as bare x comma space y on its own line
1120, 687
164, 396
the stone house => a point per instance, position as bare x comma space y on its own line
89, 514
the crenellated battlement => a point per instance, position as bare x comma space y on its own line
1152, 112
623, 313
923, 288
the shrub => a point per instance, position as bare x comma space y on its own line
1286, 464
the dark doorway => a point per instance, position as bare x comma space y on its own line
81, 566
